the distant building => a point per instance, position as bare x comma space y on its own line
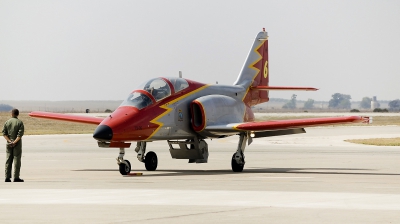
374, 103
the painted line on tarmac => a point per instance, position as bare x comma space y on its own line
281, 177
157, 197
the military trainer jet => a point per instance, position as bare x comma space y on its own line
185, 113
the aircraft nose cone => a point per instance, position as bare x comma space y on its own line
103, 133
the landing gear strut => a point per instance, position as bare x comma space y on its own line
124, 165
238, 162
150, 160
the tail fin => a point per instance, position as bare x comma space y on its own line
255, 71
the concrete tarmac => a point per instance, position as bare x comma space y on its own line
307, 178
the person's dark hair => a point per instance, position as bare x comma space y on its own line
15, 112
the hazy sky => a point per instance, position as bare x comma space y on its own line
102, 50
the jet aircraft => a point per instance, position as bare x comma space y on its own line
184, 113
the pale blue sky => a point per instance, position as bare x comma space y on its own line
101, 50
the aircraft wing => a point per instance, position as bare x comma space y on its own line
280, 126
67, 117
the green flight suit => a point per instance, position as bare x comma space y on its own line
13, 128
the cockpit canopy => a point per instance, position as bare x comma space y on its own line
157, 89
178, 84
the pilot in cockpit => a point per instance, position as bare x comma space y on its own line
158, 93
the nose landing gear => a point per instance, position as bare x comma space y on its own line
124, 165
150, 160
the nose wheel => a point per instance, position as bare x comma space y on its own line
125, 167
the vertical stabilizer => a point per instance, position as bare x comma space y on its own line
255, 71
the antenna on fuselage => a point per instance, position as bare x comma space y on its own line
180, 74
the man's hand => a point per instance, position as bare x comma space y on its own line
10, 144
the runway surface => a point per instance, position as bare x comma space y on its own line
308, 178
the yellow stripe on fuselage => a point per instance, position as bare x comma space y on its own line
168, 109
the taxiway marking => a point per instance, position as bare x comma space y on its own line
315, 200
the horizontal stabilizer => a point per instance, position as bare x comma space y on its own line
284, 88
67, 117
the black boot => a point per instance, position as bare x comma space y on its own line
18, 180
8, 180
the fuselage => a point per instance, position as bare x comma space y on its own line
160, 110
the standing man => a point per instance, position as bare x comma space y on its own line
13, 131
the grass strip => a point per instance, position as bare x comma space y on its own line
377, 141
38, 126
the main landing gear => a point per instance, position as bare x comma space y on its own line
150, 160
237, 161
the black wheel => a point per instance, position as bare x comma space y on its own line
151, 161
235, 166
125, 168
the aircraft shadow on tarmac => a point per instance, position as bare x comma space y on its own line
322, 171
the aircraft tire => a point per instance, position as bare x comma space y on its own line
124, 169
151, 161
235, 166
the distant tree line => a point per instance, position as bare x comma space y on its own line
309, 104
394, 105
342, 101
5, 107
366, 103
291, 104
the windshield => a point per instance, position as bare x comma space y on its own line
138, 100
158, 88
